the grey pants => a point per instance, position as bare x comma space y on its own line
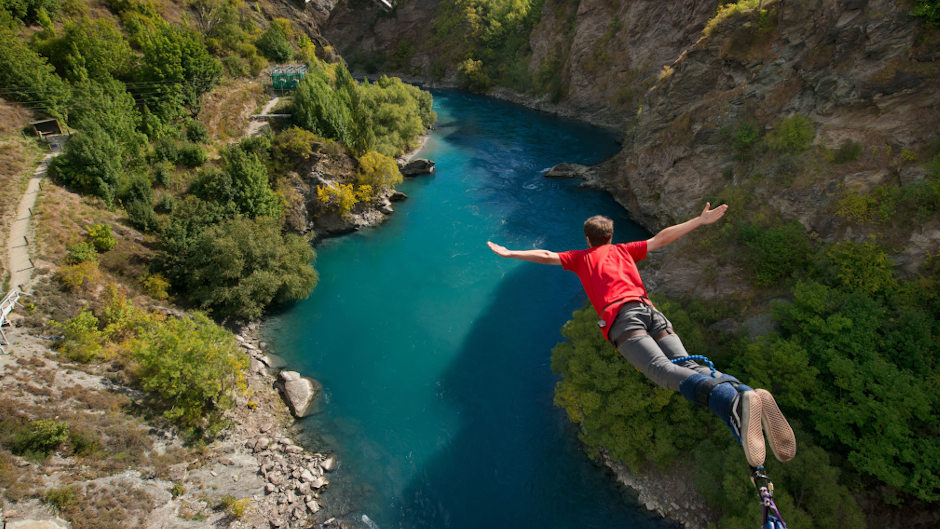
649, 356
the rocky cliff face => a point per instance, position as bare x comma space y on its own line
863, 71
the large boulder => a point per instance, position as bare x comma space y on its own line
569, 170
299, 392
418, 166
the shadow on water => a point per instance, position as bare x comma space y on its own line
515, 448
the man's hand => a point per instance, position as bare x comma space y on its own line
709, 216
501, 251
533, 256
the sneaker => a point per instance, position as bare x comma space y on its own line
745, 422
778, 431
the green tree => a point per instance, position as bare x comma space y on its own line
237, 268
273, 43
378, 171
179, 68
90, 50
792, 134
193, 366
26, 76
319, 109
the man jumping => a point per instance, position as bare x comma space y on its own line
645, 337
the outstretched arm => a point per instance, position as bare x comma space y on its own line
672, 233
533, 256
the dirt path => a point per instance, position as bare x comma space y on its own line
18, 262
255, 126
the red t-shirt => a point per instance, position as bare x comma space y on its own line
608, 274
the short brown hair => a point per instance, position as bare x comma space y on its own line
599, 230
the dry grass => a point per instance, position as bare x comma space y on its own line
226, 109
108, 507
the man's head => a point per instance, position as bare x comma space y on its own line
599, 230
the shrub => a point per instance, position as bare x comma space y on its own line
81, 339
792, 134
60, 498
177, 489
197, 132
101, 237
193, 366
864, 266
776, 251
378, 171
727, 10
81, 252
848, 151
274, 45
156, 286
339, 197
238, 267
929, 10
744, 139
39, 439
77, 276
142, 216
192, 155
472, 75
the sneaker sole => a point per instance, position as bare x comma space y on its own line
753, 441
778, 431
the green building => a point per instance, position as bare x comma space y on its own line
287, 77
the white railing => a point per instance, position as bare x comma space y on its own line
6, 306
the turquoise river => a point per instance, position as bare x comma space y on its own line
434, 353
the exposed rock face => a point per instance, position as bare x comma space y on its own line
569, 170
846, 65
299, 392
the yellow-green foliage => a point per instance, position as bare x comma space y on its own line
81, 340
730, 9
101, 237
191, 366
792, 134
78, 276
378, 171
156, 286
234, 507
340, 197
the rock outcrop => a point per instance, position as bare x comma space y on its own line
299, 392
416, 167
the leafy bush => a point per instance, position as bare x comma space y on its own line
776, 251
101, 237
848, 151
274, 45
387, 116
81, 340
862, 266
28, 11
929, 10
744, 139
727, 10
81, 252
378, 171
238, 267
473, 76
156, 286
27, 76
193, 366
192, 155
792, 134
78, 276
142, 216
197, 132
39, 439
60, 498
339, 197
